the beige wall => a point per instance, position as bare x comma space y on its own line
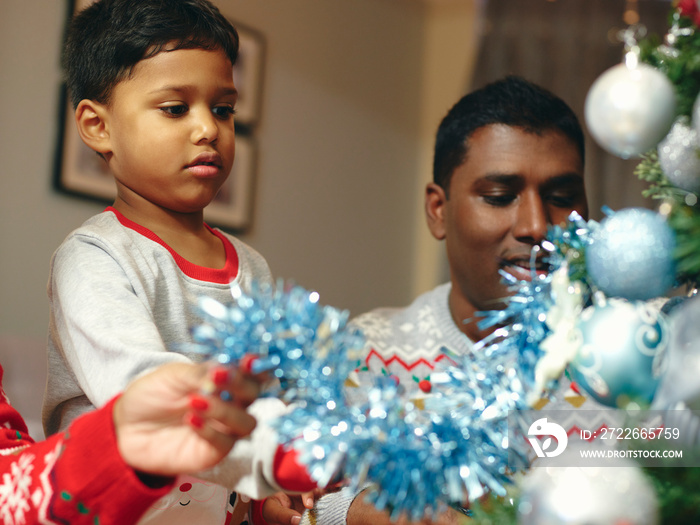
353, 91
450, 47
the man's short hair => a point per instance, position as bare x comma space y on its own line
512, 101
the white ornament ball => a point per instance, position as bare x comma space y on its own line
679, 157
680, 381
629, 110
616, 494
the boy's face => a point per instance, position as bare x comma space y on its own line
511, 187
171, 134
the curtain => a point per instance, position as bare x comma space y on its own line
564, 45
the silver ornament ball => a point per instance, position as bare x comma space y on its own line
679, 157
628, 110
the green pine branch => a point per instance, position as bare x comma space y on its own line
681, 64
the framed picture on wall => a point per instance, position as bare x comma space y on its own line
232, 206
80, 171
248, 75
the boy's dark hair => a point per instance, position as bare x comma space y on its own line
107, 39
512, 101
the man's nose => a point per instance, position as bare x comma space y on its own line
532, 219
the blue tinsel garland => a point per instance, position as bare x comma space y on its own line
421, 459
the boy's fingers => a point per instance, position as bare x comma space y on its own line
308, 499
278, 509
286, 517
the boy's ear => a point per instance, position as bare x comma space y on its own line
93, 128
435, 199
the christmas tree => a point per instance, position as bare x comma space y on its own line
666, 141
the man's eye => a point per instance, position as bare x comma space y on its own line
498, 200
174, 111
566, 200
224, 112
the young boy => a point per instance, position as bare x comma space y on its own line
152, 86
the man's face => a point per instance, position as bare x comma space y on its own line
511, 187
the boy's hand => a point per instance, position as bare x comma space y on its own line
165, 426
286, 509
283, 509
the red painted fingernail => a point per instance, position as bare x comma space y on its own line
195, 420
246, 364
199, 403
220, 376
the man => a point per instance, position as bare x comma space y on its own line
508, 163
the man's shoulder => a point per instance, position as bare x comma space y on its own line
430, 300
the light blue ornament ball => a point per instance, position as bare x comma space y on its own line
623, 355
631, 255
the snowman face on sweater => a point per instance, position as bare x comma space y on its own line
190, 501
511, 187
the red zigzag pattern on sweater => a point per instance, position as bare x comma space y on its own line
397, 359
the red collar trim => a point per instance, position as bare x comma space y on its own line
215, 275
